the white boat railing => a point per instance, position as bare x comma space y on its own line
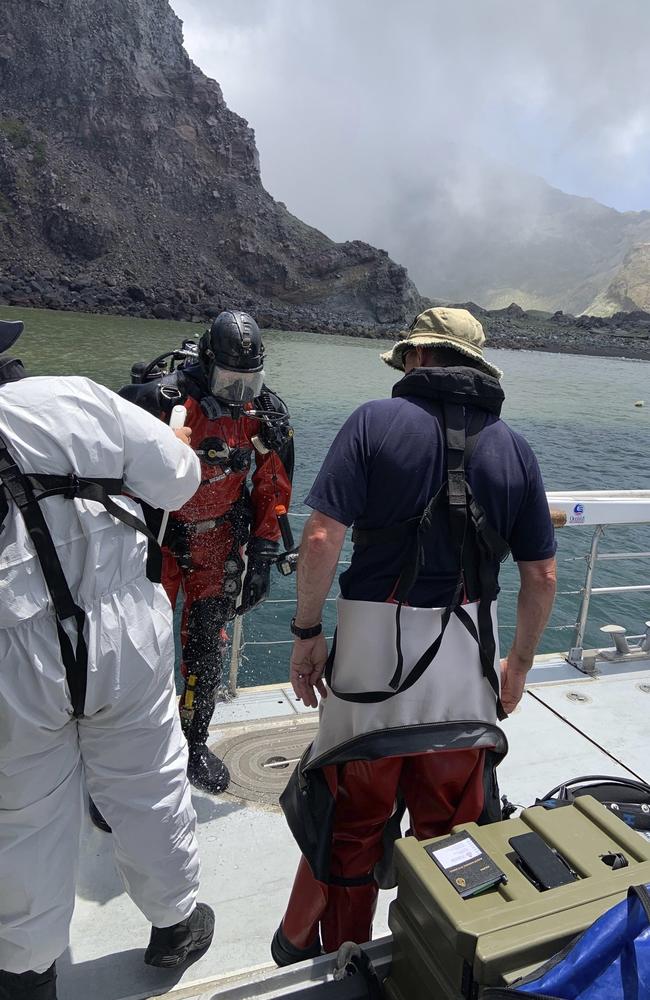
602, 509
598, 508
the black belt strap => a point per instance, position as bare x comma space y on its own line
22, 487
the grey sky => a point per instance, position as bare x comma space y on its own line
353, 99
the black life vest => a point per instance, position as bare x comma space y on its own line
479, 546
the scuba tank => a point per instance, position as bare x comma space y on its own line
164, 364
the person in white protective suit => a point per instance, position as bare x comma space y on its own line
86, 671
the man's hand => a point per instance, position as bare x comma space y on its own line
513, 678
184, 434
320, 548
534, 604
308, 661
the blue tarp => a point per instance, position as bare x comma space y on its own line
610, 961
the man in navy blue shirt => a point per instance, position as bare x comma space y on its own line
439, 436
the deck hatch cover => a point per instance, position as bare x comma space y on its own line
261, 762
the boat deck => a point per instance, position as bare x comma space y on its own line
568, 724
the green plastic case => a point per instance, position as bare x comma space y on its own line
447, 948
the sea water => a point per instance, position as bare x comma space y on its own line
577, 412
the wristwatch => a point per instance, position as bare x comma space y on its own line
306, 633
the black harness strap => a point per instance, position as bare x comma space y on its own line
97, 490
488, 545
74, 661
454, 417
22, 487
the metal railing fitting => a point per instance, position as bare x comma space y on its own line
575, 653
618, 634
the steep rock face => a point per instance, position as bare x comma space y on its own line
630, 288
126, 184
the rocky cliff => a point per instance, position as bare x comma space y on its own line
630, 287
127, 185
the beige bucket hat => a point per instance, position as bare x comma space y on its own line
442, 327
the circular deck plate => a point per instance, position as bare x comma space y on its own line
256, 760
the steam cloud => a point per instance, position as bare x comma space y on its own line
366, 110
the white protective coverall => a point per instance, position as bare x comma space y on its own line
128, 745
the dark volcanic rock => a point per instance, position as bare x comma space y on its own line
120, 162
626, 334
69, 232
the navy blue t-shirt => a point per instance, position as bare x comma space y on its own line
386, 463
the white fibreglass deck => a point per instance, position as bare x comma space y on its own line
568, 724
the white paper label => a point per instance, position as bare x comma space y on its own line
456, 854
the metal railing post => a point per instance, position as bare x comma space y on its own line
235, 655
583, 614
645, 644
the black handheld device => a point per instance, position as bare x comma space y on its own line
540, 863
288, 561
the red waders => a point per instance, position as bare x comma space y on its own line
441, 788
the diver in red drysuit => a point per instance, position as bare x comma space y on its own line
236, 422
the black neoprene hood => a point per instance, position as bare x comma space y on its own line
234, 341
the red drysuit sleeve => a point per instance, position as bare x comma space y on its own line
271, 488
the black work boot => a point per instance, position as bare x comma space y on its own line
171, 946
206, 771
28, 985
284, 953
96, 818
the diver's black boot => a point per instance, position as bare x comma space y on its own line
28, 985
284, 953
96, 818
171, 946
206, 771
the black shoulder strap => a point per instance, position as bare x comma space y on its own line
476, 424
75, 661
22, 487
454, 417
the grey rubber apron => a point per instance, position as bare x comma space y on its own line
451, 690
